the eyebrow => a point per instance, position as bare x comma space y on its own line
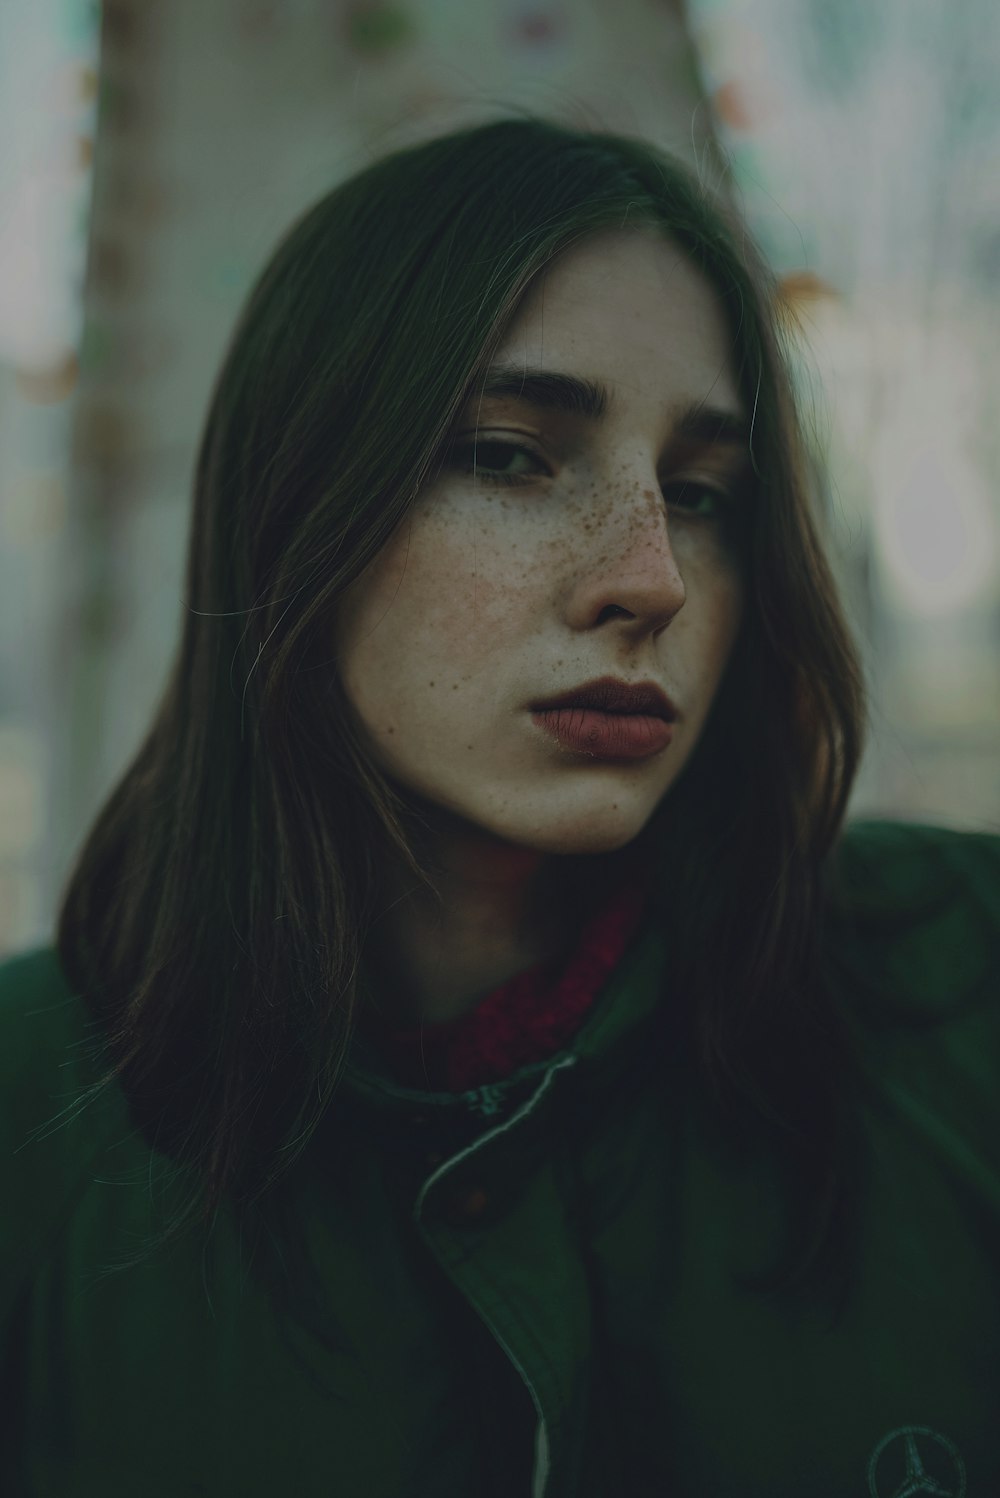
552, 390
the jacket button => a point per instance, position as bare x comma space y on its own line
470, 1206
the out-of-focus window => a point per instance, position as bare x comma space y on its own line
48, 106
48, 92
864, 141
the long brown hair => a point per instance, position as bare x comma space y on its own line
217, 912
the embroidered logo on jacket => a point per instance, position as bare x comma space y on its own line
915, 1460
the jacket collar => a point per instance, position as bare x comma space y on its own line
600, 1049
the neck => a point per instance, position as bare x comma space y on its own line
502, 909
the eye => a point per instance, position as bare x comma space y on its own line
474, 457
479, 453
694, 491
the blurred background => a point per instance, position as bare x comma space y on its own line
151, 154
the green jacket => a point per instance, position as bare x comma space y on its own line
538, 1275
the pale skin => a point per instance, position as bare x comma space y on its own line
489, 597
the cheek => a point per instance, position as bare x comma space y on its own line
433, 597
716, 619
461, 581
730, 614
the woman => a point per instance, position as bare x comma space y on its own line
476, 1057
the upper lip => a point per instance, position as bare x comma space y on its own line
610, 695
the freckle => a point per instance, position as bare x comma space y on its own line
390, 730
430, 683
455, 687
468, 746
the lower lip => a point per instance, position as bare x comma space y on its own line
605, 735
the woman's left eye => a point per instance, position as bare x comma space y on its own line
721, 499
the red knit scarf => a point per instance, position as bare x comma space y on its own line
528, 1018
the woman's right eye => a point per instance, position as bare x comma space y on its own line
474, 457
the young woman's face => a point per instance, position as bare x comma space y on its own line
597, 561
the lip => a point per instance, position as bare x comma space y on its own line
611, 736
608, 695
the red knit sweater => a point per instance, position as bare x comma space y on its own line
528, 1018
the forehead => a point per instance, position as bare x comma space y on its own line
630, 310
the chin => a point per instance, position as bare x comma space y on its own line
582, 821
586, 833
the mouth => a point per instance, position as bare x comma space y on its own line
608, 695
605, 735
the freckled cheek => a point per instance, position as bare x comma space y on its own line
482, 599
475, 578
441, 611
466, 629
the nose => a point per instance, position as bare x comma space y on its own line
632, 568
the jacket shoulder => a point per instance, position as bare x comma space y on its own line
915, 917
44, 1032
917, 908
894, 865
50, 1138
914, 949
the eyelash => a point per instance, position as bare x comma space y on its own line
724, 500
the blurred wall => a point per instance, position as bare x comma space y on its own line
865, 143
48, 89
